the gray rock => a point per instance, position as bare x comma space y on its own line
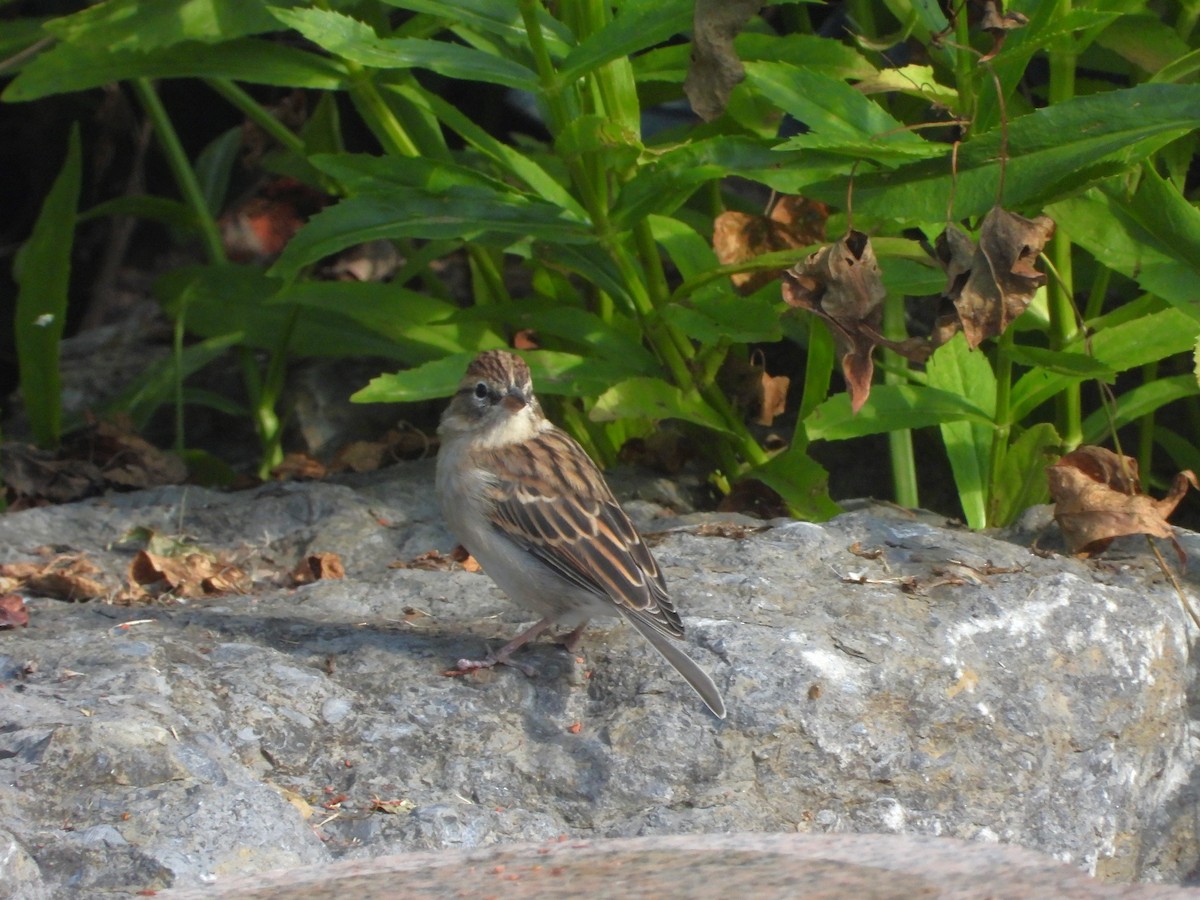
928, 682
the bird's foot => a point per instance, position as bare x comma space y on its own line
467, 666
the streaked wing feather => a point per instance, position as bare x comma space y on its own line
550, 497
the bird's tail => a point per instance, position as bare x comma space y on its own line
684, 664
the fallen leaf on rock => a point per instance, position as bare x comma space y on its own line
993, 283
432, 561
463, 557
100, 456
391, 807
1098, 497
370, 456
318, 567
731, 530
841, 284
299, 467
13, 611
739, 237
64, 577
715, 69
194, 574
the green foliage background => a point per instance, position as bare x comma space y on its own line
1089, 109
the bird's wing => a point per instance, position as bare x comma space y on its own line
549, 497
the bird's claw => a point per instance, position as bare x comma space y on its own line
467, 666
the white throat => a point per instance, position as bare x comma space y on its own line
513, 429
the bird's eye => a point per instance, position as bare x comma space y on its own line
481, 390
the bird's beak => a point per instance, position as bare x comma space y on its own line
514, 400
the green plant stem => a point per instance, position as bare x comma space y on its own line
1001, 416
181, 168
377, 114
1098, 293
255, 112
900, 443
177, 351
1145, 438
964, 64
1061, 292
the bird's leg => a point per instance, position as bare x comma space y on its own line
571, 641
501, 656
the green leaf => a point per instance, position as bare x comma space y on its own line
1075, 365
1053, 152
18, 36
421, 327
501, 18
42, 270
636, 26
119, 25
1137, 402
1103, 225
155, 386
357, 41
216, 300
956, 369
586, 330
670, 63
801, 481
599, 134
890, 407
1164, 219
434, 379
840, 118
519, 165
66, 68
1121, 347
214, 166
1022, 481
652, 398
175, 213
458, 212
572, 374
666, 179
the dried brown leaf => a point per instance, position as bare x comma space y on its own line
299, 467
65, 577
993, 283
739, 237
13, 611
318, 567
841, 284
1097, 497
716, 70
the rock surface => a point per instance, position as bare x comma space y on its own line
883, 674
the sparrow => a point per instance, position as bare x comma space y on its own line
529, 504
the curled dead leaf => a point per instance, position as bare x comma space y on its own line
193, 574
1097, 497
64, 577
993, 283
13, 611
318, 567
299, 467
841, 283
